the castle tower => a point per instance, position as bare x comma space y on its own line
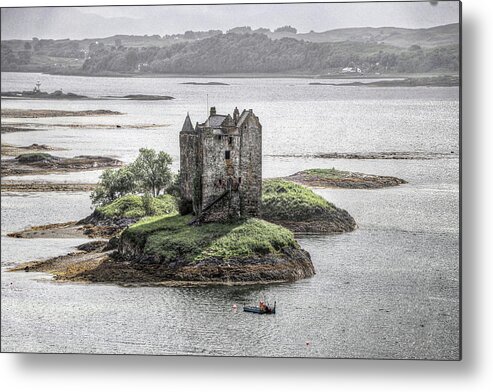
221, 166
188, 165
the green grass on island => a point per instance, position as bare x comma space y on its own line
284, 200
171, 238
326, 173
133, 206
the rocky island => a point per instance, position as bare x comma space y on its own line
142, 97
58, 94
12, 150
433, 81
39, 113
165, 249
301, 210
206, 83
333, 178
36, 93
44, 163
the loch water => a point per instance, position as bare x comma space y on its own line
390, 289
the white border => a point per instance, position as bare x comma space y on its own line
117, 373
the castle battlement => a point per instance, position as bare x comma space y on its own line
221, 166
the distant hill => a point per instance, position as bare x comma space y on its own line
404, 38
400, 37
385, 50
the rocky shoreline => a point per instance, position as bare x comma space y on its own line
120, 260
93, 226
332, 222
96, 262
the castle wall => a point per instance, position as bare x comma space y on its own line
217, 171
251, 166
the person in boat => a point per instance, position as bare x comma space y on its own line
262, 306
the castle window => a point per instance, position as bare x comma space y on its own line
227, 154
230, 140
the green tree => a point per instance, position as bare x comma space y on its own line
152, 171
113, 184
132, 59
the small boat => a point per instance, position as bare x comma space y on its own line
266, 309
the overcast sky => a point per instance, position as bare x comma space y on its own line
94, 22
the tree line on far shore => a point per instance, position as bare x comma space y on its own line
257, 53
237, 53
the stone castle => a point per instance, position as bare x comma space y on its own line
221, 167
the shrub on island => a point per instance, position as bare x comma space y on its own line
136, 206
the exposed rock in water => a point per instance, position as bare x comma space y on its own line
11, 150
44, 163
37, 113
436, 81
206, 83
11, 129
143, 97
38, 186
418, 155
332, 178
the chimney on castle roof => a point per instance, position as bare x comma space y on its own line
213, 111
236, 115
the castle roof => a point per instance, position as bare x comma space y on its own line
215, 121
187, 125
243, 116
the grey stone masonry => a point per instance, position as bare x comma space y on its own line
221, 167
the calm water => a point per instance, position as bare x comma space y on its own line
388, 290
